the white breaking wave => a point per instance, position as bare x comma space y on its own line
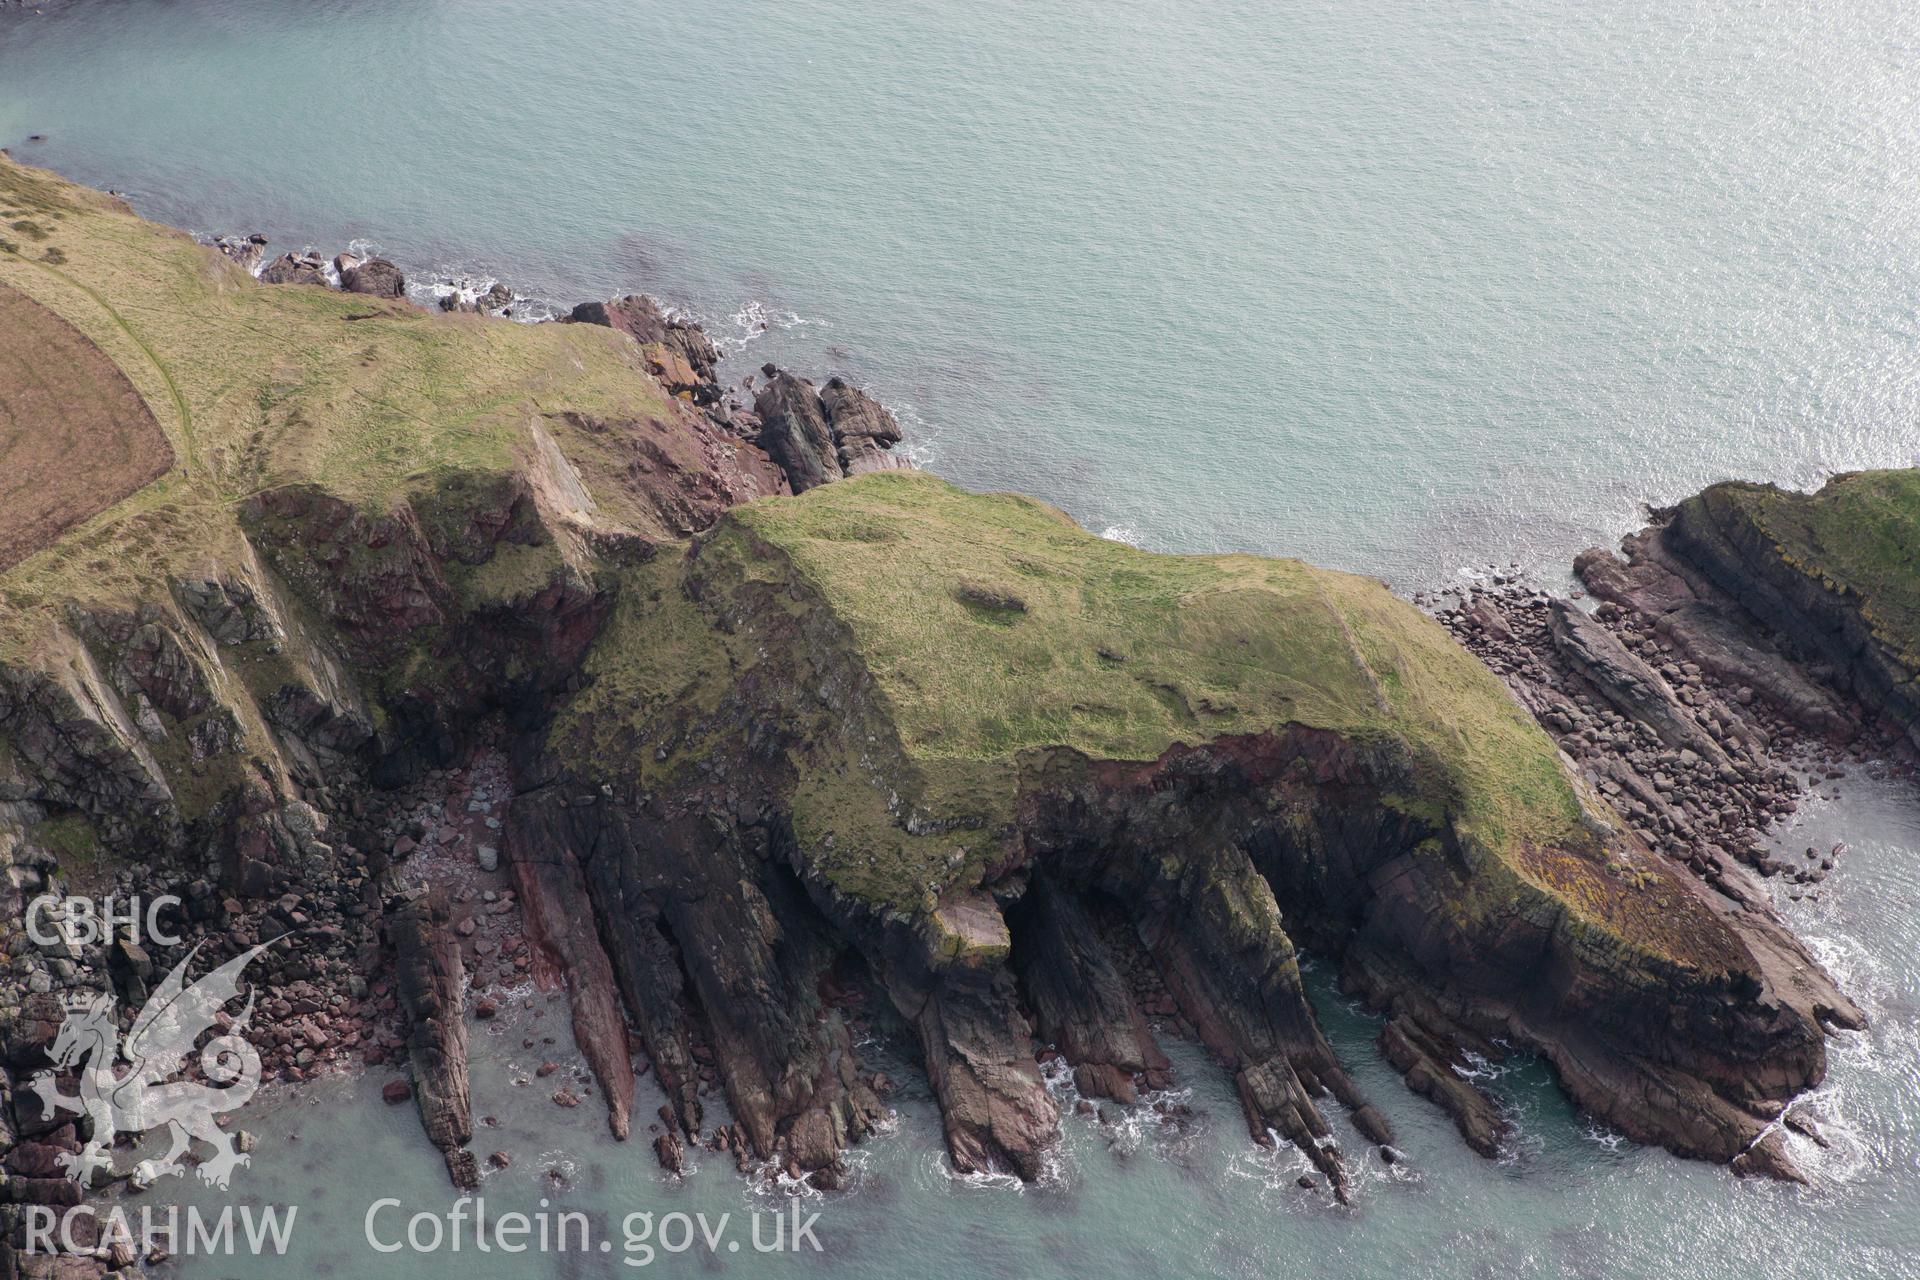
920, 437
750, 321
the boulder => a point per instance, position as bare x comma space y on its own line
295, 268
864, 433
375, 277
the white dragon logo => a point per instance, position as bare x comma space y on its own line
159, 1046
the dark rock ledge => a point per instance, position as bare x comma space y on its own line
1720, 678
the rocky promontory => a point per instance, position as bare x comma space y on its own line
775, 717
1832, 577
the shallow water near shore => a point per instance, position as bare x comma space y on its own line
1398, 287
1395, 286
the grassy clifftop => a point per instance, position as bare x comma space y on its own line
919, 644
925, 649
993, 624
1858, 536
259, 386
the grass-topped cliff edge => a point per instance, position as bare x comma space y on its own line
1859, 534
1837, 571
258, 387
991, 624
993, 627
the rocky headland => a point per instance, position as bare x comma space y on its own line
466, 653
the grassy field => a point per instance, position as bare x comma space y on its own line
75, 437
257, 386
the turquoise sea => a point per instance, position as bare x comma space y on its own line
1401, 286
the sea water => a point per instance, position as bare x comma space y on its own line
1401, 286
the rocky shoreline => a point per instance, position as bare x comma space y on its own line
405, 915
481, 782
813, 435
1702, 721
1702, 767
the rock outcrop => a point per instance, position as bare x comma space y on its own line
432, 986
1628, 683
864, 433
1829, 577
376, 277
795, 432
818, 437
561, 925
467, 299
681, 355
1709, 811
295, 268
247, 251
1709, 629
1082, 1003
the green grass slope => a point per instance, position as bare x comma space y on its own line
994, 624
926, 647
259, 386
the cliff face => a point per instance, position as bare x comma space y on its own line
948, 740
1829, 577
1834, 572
